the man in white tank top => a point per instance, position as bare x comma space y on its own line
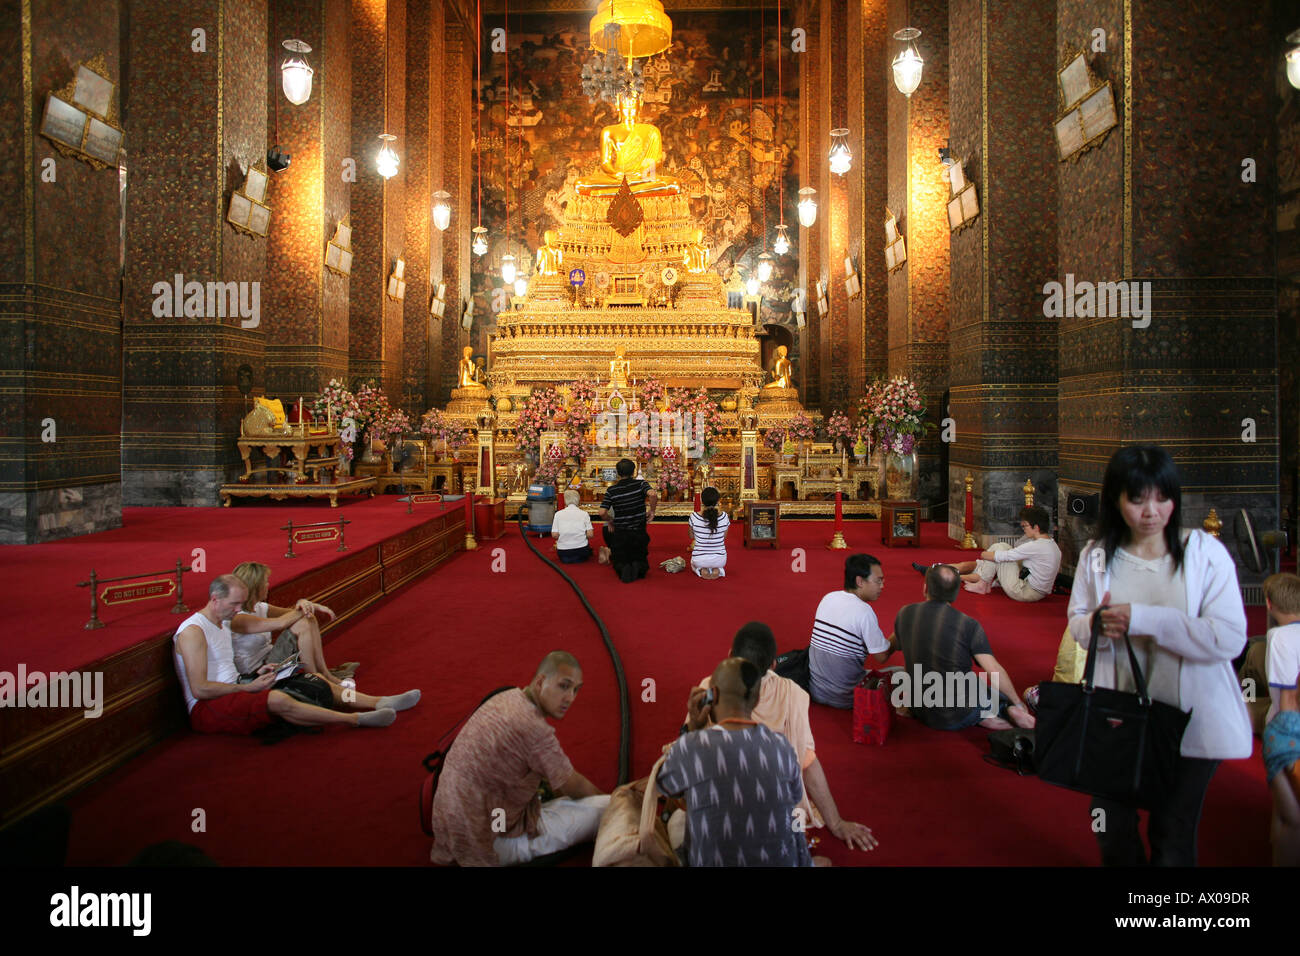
204, 658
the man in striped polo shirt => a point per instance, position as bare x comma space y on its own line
845, 632
633, 502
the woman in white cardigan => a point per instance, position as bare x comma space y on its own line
1176, 595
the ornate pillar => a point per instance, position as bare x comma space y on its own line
457, 179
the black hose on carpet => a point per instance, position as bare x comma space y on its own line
625, 709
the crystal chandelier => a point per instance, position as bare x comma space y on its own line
296, 73
764, 267
441, 210
782, 244
1293, 59
605, 77
751, 285
521, 285
507, 268
386, 161
908, 64
807, 207
841, 157
479, 245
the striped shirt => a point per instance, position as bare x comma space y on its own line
709, 543
627, 498
844, 633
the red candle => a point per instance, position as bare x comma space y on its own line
839, 511
698, 503
469, 512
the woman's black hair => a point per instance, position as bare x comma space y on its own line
709, 498
1132, 471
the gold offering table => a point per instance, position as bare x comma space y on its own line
276, 492
301, 443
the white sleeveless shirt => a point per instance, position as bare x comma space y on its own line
221, 655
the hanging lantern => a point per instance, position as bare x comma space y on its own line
764, 268
841, 157
296, 73
782, 244
807, 207
479, 245
521, 286
508, 268
751, 285
1293, 67
386, 162
908, 64
441, 210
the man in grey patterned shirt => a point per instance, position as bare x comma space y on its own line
741, 781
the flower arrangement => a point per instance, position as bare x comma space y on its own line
838, 427
395, 422
650, 390
437, 427
705, 422
372, 407
801, 428
537, 416
774, 438
548, 472
336, 401
583, 391
673, 476
893, 414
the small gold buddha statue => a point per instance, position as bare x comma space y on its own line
467, 371
782, 370
619, 369
550, 256
696, 258
631, 150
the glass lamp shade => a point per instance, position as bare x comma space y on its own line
441, 210
296, 73
521, 286
479, 245
807, 207
782, 244
751, 285
508, 268
386, 160
764, 268
908, 64
840, 156
1293, 67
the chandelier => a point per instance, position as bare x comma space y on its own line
908, 64
623, 32
605, 77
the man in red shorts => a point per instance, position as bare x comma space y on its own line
205, 664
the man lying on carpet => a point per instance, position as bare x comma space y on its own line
845, 631
487, 811
741, 781
1026, 571
783, 707
939, 641
218, 703
253, 629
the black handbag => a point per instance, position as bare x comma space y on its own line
794, 665
1112, 744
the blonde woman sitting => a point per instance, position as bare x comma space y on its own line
253, 628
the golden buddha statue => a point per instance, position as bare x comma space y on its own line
782, 370
696, 259
631, 150
619, 369
466, 371
550, 256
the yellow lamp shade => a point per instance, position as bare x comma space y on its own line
644, 28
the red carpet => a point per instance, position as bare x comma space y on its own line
53, 610
349, 797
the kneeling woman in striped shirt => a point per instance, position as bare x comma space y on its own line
709, 532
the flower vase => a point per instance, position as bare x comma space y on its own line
900, 476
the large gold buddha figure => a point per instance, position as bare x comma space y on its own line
629, 149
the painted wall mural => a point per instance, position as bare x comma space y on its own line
726, 146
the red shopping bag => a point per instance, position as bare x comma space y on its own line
873, 714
